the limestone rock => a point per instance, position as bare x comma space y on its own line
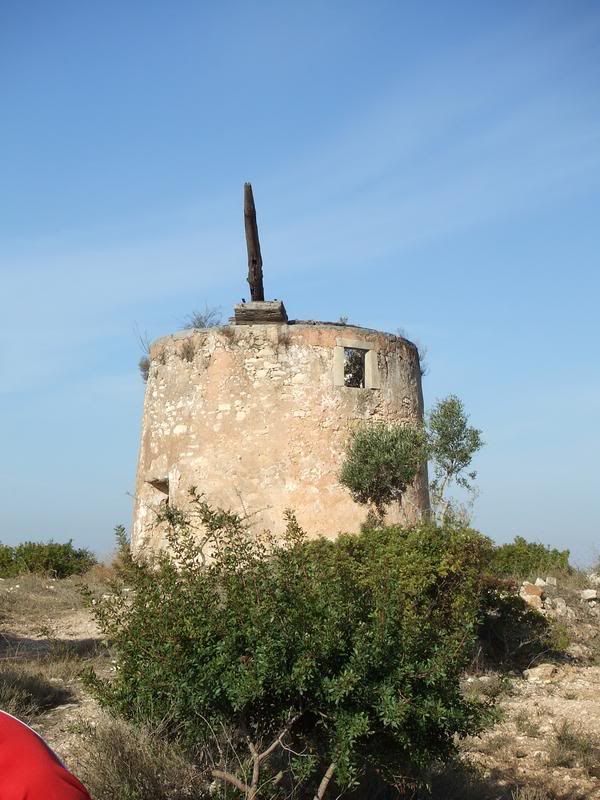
540, 582
550, 580
534, 602
531, 589
559, 606
589, 594
544, 672
532, 594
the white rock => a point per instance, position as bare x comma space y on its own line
540, 582
528, 588
550, 580
594, 579
589, 594
559, 605
542, 673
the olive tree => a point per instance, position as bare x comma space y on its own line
381, 462
452, 443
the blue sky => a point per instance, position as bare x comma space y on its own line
433, 167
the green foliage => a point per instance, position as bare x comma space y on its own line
44, 558
452, 445
522, 559
345, 652
381, 461
512, 635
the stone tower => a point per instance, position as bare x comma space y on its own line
257, 413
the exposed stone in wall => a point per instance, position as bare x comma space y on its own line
252, 416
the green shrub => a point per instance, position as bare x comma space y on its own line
511, 634
8, 567
49, 558
307, 658
381, 461
522, 559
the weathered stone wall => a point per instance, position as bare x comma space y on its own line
253, 417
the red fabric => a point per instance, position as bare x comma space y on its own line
29, 770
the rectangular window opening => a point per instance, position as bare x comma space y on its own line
354, 367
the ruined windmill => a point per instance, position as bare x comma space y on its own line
256, 413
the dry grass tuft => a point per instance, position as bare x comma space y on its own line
26, 693
487, 688
573, 748
530, 793
188, 350
526, 726
22, 598
117, 761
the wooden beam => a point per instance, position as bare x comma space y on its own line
255, 273
260, 312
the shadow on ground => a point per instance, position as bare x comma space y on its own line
13, 648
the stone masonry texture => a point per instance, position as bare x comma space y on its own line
254, 417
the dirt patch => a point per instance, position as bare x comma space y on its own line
521, 747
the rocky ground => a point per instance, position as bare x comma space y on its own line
545, 744
548, 733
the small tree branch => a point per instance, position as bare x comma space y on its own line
229, 778
266, 753
325, 781
255, 770
258, 758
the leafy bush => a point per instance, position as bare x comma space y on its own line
381, 461
522, 559
512, 635
45, 558
293, 661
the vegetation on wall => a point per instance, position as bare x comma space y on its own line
144, 367
209, 318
